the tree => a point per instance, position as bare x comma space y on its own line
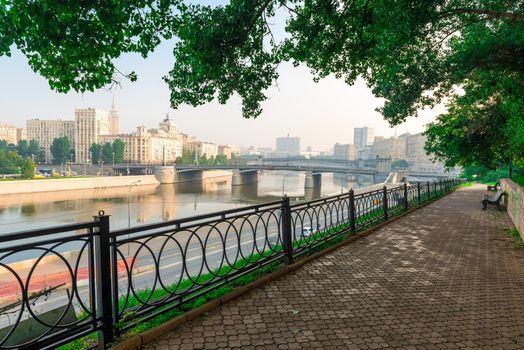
186, 158
23, 149
95, 151
107, 153
118, 149
10, 162
412, 53
60, 149
485, 126
402, 48
28, 169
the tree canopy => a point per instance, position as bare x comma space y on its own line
412, 53
61, 150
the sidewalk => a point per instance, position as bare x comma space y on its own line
444, 277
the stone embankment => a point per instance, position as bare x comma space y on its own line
69, 184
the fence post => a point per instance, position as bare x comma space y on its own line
103, 281
287, 241
385, 201
406, 203
418, 192
352, 215
429, 190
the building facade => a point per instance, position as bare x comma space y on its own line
90, 124
227, 151
363, 140
203, 148
344, 151
416, 155
21, 134
8, 134
393, 147
150, 146
45, 131
288, 146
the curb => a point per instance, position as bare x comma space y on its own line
137, 341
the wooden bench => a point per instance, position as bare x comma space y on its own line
494, 187
494, 199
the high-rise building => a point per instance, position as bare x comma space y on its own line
363, 140
45, 131
8, 133
90, 124
344, 151
288, 146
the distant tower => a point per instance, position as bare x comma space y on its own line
168, 125
114, 119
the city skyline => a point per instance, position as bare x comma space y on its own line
304, 107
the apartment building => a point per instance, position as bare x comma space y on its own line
8, 133
45, 131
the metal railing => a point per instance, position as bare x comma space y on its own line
81, 280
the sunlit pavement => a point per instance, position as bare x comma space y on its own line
446, 276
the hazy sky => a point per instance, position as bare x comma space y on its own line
320, 113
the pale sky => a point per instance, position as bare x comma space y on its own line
320, 113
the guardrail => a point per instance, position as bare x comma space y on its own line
69, 282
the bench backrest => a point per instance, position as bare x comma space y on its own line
496, 196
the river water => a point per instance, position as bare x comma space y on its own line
149, 204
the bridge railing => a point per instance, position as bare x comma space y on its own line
88, 281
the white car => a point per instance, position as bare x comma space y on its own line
306, 231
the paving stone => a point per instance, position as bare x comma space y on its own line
446, 276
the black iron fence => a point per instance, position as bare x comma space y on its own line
65, 283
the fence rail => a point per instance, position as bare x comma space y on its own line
68, 282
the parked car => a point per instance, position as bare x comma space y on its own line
306, 231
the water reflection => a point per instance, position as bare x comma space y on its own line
150, 203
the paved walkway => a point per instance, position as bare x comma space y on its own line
447, 276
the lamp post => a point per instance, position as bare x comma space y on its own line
113, 154
102, 168
129, 202
283, 183
129, 208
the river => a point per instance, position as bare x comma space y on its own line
150, 204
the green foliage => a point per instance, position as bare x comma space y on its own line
10, 162
118, 149
95, 151
28, 169
107, 153
483, 174
402, 48
483, 127
60, 150
186, 158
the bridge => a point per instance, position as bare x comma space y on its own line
244, 174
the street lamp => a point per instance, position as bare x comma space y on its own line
113, 153
129, 209
283, 182
129, 202
102, 168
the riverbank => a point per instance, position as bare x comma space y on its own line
88, 183
73, 184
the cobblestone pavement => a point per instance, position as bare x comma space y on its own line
447, 276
